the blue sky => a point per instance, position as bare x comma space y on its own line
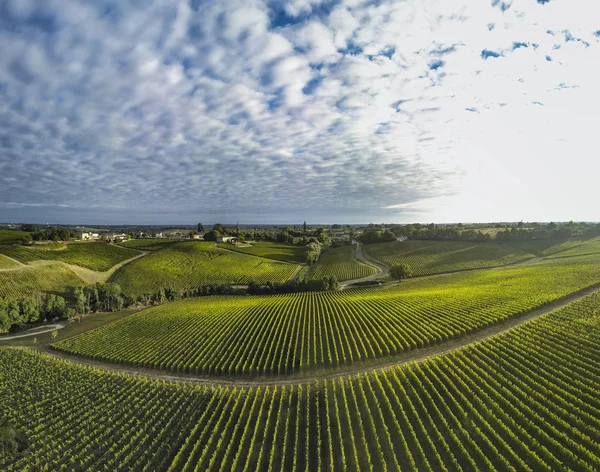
279, 112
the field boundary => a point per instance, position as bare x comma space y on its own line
88, 275
358, 368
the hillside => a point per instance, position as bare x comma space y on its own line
191, 263
294, 333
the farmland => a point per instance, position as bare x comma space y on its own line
341, 264
189, 264
525, 400
434, 257
94, 256
6, 263
11, 236
147, 244
25, 281
294, 333
271, 250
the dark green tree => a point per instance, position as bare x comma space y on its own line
400, 271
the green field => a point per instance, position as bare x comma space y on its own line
298, 332
436, 257
191, 264
94, 256
11, 236
271, 250
51, 278
341, 264
148, 244
590, 246
6, 263
525, 400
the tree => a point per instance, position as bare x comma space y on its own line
29, 310
312, 251
28, 227
304, 226
219, 227
400, 271
212, 235
200, 228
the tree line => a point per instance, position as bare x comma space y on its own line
17, 313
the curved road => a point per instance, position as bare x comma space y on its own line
383, 270
36, 331
416, 355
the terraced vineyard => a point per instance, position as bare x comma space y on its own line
148, 244
341, 264
526, 400
436, 257
271, 250
191, 264
54, 278
94, 256
299, 332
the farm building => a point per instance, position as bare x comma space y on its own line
89, 236
227, 239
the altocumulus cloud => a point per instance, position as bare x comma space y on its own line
265, 110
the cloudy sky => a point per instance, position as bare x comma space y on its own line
140, 111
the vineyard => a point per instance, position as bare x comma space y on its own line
293, 333
341, 264
591, 246
94, 256
191, 264
525, 400
6, 263
271, 250
148, 244
11, 236
25, 281
435, 257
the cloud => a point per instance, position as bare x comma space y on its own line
241, 109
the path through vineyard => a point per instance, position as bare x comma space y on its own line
415, 355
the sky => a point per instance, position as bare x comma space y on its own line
167, 112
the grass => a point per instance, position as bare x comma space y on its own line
525, 400
271, 250
94, 256
341, 264
295, 333
192, 263
26, 281
436, 257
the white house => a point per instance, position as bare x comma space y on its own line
226, 239
89, 236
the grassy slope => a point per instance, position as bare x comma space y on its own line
6, 263
191, 263
435, 257
245, 335
439, 414
10, 236
94, 256
148, 244
53, 278
271, 250
340, 263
